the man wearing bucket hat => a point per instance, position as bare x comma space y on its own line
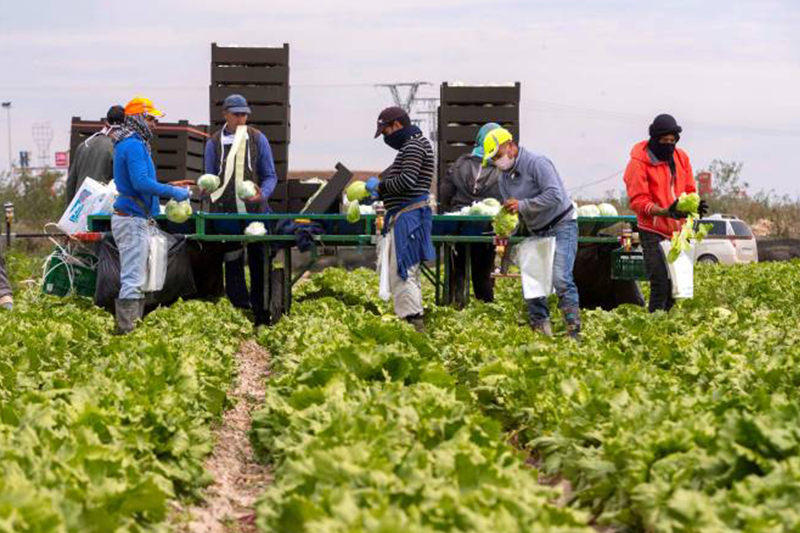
657, 174
136, 205
258, 168
531, 186
467, 181
405, 190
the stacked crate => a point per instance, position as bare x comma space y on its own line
464, 109
261, 75
177, 147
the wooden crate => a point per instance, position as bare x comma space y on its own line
177, 147
261, 75
464, 109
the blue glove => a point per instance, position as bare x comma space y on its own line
372, 186
181, 194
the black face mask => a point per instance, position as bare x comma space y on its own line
663, 152
396, 140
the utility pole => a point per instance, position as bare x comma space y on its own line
7, 107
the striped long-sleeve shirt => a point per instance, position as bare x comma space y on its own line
410, 175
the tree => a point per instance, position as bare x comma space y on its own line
727, 179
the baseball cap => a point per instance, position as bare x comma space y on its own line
141, 105
493, 141
387, 116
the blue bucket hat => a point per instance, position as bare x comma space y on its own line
236, 103
486, 128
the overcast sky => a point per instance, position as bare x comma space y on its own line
593, 73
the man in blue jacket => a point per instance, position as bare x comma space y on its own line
136, 205
259, 168
531, 186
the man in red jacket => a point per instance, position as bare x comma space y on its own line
657, 174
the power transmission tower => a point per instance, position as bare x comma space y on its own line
43, 136
430, 109
408, 102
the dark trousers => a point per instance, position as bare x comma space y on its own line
236, 283
5, 286
235, 280
482, 265
657, 274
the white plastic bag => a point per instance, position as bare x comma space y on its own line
535, 257
384, 249
93, 198
681, 272
157, 261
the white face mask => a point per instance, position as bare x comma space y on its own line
505, 163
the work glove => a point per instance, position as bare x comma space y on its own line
702, 209
675, 213
180, 194
372, 184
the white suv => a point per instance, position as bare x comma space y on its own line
729, 241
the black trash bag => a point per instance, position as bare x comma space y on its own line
178, 284
592, 273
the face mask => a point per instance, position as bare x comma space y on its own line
395, 140
505, 163
663, 152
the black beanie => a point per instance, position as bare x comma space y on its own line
664, 125
115, 115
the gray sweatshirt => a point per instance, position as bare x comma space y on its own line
94, 158
535, 182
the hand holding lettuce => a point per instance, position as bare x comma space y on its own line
681, 241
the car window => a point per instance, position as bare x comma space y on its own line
717, 227
740, 229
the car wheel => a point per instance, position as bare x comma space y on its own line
708, 258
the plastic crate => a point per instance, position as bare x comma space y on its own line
57, 276
628, 265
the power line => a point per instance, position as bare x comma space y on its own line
597, 182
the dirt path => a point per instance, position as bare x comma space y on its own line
238, 479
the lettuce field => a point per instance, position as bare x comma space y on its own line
679, 422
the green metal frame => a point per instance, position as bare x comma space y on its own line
442, 243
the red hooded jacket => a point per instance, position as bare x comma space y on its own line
651, 186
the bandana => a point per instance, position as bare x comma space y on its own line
135, 124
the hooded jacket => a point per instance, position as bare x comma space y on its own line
459, 188
652, 186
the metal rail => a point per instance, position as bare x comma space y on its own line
447, 231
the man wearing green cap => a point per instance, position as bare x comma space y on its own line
467, 181
531, 186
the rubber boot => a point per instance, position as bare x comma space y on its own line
542, 327
128, 312
572, 319
417, 322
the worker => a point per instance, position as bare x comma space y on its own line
467, 181
530, 186
136, 205
259, 168
6, 297
404, 191
94, 157
657, 174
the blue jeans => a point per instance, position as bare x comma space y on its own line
132, 235
566, 234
